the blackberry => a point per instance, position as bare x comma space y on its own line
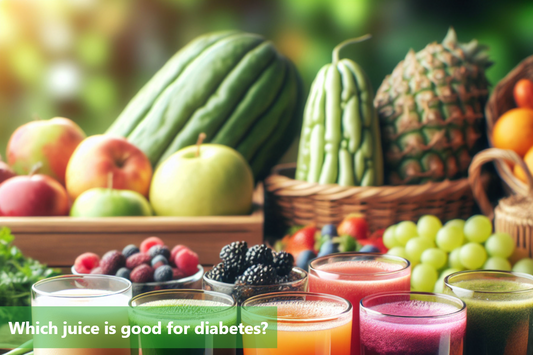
258, 275
283, 279
129, 250
283, 263
234, 256
159, 250
219, 273
259, 254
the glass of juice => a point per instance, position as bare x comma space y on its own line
307, 323
185, 308
412, 323
356, 275
500, 310
82, 291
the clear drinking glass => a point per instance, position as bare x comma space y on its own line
82, 291
356, 275
224, 310
307, 323
412, 323
500, 310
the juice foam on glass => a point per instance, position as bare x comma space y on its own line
500, 310
412, 323
356, 275
82, 291
307, 323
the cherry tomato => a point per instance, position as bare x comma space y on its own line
523, 93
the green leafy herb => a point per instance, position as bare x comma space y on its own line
18, 273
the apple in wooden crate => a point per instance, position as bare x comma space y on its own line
32, 196
203, 180
47, 142
98, 156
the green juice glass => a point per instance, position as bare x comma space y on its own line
182, 307
499, 311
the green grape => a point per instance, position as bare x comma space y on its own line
439, 285
454, 259
388, 238
398, 251
473, 256
434, 257
449, 238
423, 278
459, 223
428, 226
416, 246
404, 231
524, 265
500, 244
497, 263
478, 229
447, 272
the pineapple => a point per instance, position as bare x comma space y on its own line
431, 111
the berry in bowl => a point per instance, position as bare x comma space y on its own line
150, 267
244, 272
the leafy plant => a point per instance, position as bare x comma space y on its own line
18, 273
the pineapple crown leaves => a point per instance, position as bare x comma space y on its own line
473, 51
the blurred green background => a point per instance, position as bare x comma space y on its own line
84, 59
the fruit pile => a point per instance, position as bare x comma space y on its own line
255, 266
152, 261
436, 250
514, 128
352, 234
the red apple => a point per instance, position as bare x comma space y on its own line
49, 142
35, 195
5, 172
98, 156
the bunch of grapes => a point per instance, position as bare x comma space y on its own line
437, 250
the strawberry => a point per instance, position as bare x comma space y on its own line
150, 242
354, 225
86, 262
304, 239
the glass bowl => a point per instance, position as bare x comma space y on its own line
189, 282
242, 293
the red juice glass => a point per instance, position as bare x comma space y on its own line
414, 323
356, 275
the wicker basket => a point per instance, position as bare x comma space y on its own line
501, 101
294, 202
514, 214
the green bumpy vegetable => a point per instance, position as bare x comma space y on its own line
235, 87
340, 141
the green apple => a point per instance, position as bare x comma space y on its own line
203, 180
106, 202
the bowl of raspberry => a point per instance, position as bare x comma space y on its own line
245, 272
150, 267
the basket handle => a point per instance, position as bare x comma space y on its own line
499, 156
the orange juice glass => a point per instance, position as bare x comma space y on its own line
307, 323
357, 275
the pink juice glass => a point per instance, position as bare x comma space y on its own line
356, 275
414, 323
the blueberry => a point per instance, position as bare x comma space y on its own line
304, 258
163, 273
129, 250
328, 248
159, 250
329, 229
369, 248
123, 272
159, 260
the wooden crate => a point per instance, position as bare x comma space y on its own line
57, 241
